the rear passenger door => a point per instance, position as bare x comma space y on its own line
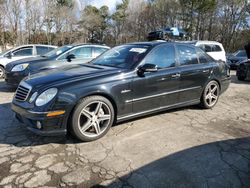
194, 72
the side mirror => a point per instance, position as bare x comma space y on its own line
70, 57
147, 68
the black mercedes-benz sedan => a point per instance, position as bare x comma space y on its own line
127, 81
65, 55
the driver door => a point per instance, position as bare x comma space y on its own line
157, 89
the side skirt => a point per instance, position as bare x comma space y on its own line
163, 108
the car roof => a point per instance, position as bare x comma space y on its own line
87, 44
24, 45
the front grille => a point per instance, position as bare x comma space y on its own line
22, 91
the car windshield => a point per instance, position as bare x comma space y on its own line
124, 56
56, 52
2, 53
241, 54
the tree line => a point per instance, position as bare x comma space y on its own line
60, 22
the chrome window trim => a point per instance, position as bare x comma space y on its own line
157, 109
162, 94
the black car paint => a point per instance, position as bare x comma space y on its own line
130, 94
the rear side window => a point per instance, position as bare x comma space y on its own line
23, 52
83, 52
163, 57
203, 57
216, 48
41, 50
187, 55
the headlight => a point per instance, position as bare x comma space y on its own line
20, 67
46, 96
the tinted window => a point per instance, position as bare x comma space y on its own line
202, 56
81, 53
40, 50
187, 55
99, 51
23, 52
163, 57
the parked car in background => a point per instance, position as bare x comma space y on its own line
212, 48
168, 33
21, 52
65, 55
127, 81
237, 57
243, 67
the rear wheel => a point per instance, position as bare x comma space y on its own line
92, 118
2, 72
210, 95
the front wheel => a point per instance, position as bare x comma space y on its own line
210, 95
2, 72
92, 118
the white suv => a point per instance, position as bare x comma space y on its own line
212, 48
22, 52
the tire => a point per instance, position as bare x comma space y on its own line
241, 78
2, 72
210, 95
92, 118
241, 73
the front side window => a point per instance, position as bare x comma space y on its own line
187, 55
82, 53
162, 56
124, 56
23, 52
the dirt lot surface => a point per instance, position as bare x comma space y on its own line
187, 147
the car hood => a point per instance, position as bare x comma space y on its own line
9, 66
67, 74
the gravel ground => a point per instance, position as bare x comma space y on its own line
187, 147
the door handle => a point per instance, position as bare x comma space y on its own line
177, 75
206, 70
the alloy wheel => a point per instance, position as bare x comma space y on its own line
94, 119
211, 94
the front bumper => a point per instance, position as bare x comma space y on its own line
49, 126
14, 78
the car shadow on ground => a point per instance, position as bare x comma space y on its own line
218, 164
5, 87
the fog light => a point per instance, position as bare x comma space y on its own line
38, 125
